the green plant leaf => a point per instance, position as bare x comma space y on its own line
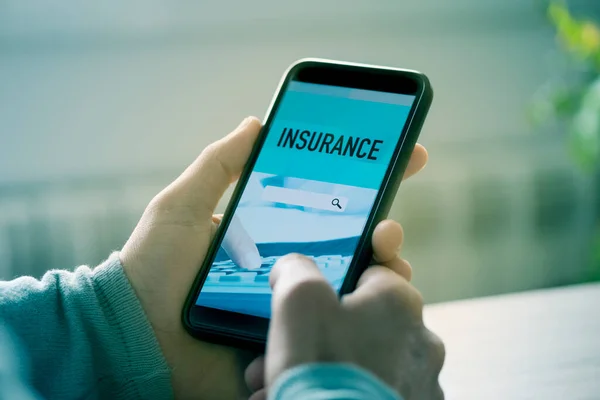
580, 37
554, 101
585, 128
558, 13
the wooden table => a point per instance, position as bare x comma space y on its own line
535, 345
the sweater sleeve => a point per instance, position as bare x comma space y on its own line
330, 382
13, 370
85, 335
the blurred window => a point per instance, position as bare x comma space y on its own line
489, 209
554, 201
420, 215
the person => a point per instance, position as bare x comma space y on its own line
115, 331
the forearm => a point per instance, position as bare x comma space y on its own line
14, 371
85, 334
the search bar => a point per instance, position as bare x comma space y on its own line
303, 198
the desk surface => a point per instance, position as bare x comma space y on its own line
535, 345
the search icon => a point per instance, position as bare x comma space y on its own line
336, 203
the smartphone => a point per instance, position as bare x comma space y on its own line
324, 171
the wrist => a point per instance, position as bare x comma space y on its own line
332, 380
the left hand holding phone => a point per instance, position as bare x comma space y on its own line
163, 254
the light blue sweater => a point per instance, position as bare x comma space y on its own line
83, 334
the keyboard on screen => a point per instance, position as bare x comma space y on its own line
226, 273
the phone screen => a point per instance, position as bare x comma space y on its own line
311, 191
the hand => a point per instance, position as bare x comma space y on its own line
164, 253
378, 327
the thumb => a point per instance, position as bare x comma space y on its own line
203, 183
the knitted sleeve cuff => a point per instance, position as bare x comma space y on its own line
142, 364
331, 382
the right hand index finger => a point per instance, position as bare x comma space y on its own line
297, 281
303, 301
293, 269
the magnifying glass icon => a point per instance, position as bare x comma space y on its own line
336, 203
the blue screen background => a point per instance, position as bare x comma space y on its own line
286, 205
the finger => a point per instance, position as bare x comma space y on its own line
302, 301
296, 280
255, 374
387, 240
383, 286
378, 275
260, 395
293, 270
239, 245
217, 218
400, 266
417, 162
206, 179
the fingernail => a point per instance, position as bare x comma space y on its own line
251, 261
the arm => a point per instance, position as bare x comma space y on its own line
13, 370
330, 382
85, 334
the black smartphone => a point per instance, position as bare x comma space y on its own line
324, 171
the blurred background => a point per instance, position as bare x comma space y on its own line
103, 103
